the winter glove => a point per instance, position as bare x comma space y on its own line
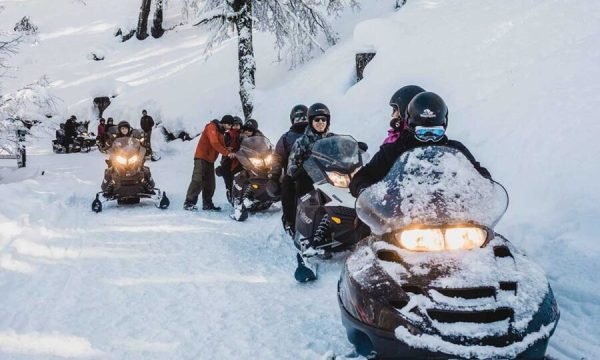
219, 171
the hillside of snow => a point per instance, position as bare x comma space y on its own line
522, 84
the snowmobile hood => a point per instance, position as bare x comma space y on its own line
432, 185
490, 302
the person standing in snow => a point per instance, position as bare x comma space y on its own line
147, 123
279, 180
319, 119
427, 120
210, 145
399, 103
229, 167
102, 131
70, 132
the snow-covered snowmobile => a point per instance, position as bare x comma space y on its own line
434, 281
127, 180
249, 190
325, 217
83, 141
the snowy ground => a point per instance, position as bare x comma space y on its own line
141, 283
522, 82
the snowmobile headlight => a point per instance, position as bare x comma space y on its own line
133, 159
257, 162
465, 238
460, 238
339, 180
268, 159
421, 239
121, 160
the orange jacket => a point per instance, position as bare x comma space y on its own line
211, 143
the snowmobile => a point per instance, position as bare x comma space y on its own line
127, 180
434, 281
325, 217
83, 141
249, 190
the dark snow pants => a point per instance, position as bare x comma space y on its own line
203, 181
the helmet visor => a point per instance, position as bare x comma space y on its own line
433, 133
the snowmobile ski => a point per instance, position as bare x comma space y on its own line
305, 272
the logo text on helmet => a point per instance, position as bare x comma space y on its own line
428, 114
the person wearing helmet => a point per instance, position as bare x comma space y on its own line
399, 103
426, 125
229, 167
279, 181
250, 128
319, 119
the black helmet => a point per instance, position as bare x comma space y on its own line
403, 96
109, 120
427, 109
102, 121
250, 125
123, 124
318, 109
298, 113
237, 121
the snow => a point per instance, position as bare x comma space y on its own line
521, 81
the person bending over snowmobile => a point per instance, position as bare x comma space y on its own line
427, 122
319, 119
125, 130
229, 167
399, 103
280, 182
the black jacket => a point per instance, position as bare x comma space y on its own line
146, 123
384, 159
70, 128
284, 147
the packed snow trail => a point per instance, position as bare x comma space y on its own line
135, 282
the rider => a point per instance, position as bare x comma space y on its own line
250, 128
279, 181
319, 119
427, 121
399, 103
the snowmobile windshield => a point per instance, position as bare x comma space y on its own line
256, 153
337, 154
431, 186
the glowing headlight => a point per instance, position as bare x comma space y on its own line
121, 160
465, 238
133, 159
257, 162
339, 180
268, 160
422, 240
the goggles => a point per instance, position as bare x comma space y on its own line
299, 118
426, 134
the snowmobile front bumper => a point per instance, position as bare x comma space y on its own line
370, 340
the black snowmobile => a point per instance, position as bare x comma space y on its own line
435, 281
325, 217
127, 180
249, 190
83, 141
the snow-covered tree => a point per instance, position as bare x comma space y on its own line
296, 25
157, 21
